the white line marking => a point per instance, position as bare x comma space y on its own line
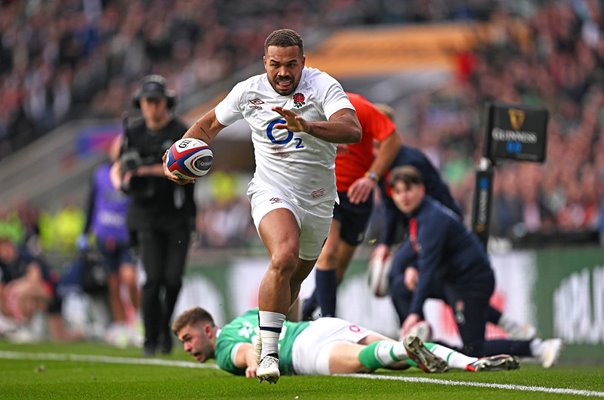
17, 355
523, 388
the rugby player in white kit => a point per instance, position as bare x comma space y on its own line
297, 116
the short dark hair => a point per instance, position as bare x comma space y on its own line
284, 38
191, 317
407, 174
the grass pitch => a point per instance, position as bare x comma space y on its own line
98, 371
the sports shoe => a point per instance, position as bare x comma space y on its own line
422, 330
551, 352
425, 359
268, 370
501, 362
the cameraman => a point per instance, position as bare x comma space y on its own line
161, 213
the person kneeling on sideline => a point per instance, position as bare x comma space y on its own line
322, 347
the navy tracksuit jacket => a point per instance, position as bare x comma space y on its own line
450, 258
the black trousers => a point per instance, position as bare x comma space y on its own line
470, 304
163, 254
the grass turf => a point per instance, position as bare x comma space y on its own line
70, 379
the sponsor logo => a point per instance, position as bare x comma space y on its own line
183, 144
255, 104
516, 118
516, 136
299, 100
483, 202
315, 194
275, 200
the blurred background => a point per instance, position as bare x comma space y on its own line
68, 69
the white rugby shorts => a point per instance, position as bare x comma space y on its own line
313, 220
313, 346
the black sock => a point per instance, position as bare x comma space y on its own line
327, 285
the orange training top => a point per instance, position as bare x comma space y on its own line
354, 160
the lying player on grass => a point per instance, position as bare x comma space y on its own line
322, 347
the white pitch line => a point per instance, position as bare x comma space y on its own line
523, 388
17, 355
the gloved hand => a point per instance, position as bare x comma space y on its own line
82, 242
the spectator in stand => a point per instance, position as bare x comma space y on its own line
28, 288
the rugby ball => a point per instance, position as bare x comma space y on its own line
377, 275
189, 158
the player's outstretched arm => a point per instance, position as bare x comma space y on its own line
342, 127
246, 358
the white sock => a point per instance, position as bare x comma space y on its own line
270, 324
390, 353
454, 359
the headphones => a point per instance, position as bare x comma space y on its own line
154, 86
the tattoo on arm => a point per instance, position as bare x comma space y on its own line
203, 131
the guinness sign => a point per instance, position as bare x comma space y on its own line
516, 132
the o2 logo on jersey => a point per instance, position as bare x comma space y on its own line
289, 138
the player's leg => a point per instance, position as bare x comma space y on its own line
344, 358
383, 352
279, 232
457, 360
326, 281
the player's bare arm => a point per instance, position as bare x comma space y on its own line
246, 358
362, 188
342, 127
205, 128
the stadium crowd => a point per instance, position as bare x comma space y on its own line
554, 58
71, 58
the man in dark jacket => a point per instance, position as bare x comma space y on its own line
448, 255
161, 213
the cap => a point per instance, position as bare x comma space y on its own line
154, 87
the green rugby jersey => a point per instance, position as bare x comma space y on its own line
243, 329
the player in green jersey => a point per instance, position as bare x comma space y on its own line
322, 347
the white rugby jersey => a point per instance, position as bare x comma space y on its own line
296, 162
